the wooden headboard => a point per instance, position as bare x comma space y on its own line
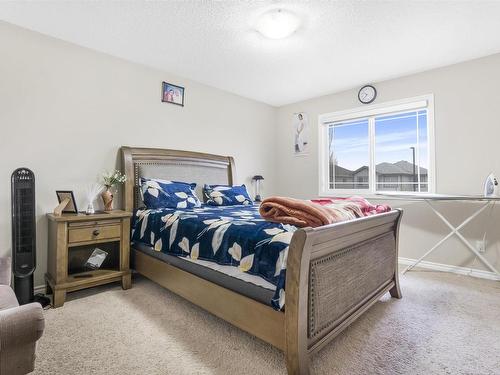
173, 165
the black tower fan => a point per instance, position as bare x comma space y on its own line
24, 235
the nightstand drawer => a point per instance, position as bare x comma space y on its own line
92, 233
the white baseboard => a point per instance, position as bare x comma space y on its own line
453, 269
407, 261
39, 289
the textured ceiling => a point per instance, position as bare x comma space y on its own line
340, 45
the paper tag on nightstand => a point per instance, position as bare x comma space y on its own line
96, 259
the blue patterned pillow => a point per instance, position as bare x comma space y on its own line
168, 194
225, 195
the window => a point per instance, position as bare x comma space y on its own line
380, 148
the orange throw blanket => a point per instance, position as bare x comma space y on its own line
303, 213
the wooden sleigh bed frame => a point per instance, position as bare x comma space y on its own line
334, 273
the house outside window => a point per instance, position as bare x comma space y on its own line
380, 148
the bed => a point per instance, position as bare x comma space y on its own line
334, 273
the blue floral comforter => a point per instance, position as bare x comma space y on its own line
228, 235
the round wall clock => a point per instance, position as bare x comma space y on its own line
367, 94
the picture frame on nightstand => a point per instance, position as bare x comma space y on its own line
67, 195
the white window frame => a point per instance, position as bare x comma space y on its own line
392, 107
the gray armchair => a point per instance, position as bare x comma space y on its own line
20, 328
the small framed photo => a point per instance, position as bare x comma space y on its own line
172, 94
300, 125
71, 206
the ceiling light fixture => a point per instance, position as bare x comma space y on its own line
277, 24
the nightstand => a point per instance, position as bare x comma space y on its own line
73, 237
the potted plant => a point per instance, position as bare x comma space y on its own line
110, 180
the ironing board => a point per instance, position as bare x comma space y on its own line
429, 198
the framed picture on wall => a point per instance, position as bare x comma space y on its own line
300, 126
172, 94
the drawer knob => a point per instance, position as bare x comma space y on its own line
96, 232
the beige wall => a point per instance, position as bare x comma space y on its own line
66, 110
467, 134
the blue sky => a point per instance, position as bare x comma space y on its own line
394, 135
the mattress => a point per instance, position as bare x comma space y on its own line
228, 277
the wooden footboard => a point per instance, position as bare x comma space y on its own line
334, 274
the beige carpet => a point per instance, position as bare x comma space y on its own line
445, 324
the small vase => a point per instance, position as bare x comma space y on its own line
90, 209
107, 198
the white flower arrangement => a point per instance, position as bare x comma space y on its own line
91, 192
111, 179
